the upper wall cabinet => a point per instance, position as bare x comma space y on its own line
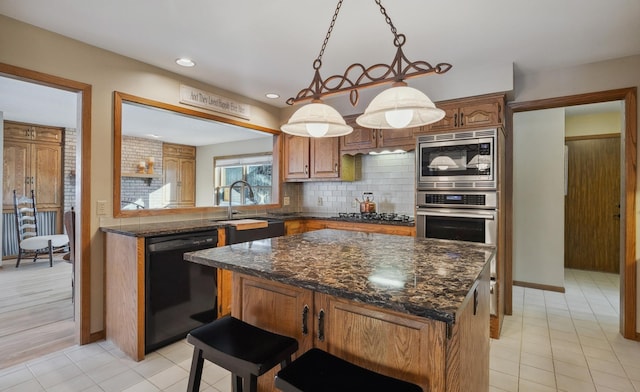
365, 140
468, 113
315, 159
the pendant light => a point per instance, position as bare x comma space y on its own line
400, 106
316, 120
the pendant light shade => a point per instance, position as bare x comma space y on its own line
316, 120
400, 107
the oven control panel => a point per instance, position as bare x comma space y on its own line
457, 199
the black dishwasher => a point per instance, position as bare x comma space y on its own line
179, 295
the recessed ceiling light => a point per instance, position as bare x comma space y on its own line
272, 95
185, 62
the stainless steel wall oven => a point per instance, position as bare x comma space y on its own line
462, 216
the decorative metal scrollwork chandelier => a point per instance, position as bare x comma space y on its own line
400, 106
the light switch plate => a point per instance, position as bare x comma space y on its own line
101, 207
286, 200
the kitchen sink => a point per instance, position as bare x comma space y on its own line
275, 228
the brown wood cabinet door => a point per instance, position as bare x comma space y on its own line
449, 121
479, 115
398, 346
359, 139
46, 161
16, 171
171, 172
296, 153
186, 183
277, 308
325, 157
592, 205
400, 138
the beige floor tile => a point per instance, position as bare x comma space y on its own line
607, 380
530, 386
537, 361
503, 381
572, 370
143, 386
504, 366
168, 377
569, 384
537, 375
57, 376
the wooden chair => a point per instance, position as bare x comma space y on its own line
29, 240
70, 227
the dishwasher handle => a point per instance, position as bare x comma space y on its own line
184, 244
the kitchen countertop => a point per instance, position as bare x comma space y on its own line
417, 276
165, 228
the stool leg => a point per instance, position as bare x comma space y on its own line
250, 384
285, 363
195, 374
50, 254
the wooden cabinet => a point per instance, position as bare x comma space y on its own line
365, 140
316, 159
470, 113
428, 352
33, 160
179, 175
304, 225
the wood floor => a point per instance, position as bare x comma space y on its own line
36, 311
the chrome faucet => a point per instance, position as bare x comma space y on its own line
230, 214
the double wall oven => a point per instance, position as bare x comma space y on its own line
456, 195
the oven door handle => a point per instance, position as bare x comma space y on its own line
455, 214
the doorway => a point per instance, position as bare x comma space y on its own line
82, 334
628, 147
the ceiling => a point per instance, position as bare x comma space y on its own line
253, 47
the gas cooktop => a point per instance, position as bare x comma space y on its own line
373, 216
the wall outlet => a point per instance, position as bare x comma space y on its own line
101, 207
319, 201
286, 200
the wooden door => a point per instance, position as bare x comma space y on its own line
296, 157
171, 170
186, 183
449, 121
16, 171
46, 163
592, 205
479, 115
360, 139
325, 157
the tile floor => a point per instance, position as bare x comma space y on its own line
552, 342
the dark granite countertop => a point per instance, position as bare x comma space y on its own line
418, 276
165, 228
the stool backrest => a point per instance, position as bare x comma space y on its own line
26, 215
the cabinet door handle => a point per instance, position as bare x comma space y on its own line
380, 137
32, 182
455, 119
26, 180
321, 325
305, 316
475, 301
336, 168
306, 169
461, 119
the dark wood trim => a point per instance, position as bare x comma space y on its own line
592, 137
547, 287
97, 336
83, 272
628, 266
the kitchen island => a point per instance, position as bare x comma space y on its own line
412, 308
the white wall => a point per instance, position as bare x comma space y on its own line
204, 163
538, 197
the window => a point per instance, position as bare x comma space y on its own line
254, 169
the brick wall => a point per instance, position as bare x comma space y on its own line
143, 191
69, 169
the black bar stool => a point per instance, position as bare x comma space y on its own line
245, 350
318, 371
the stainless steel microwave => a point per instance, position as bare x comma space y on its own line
460, 160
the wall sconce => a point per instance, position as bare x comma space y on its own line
397, 107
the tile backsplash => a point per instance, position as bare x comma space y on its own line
390, 177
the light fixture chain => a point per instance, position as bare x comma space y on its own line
387, 18
318, 62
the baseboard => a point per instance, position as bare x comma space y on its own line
538, 286
97, 336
